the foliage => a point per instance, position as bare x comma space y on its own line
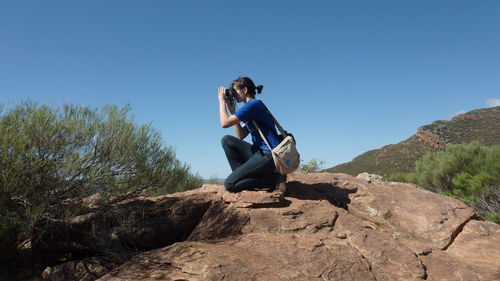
11, 229
313, 166
397, 177
213, 180
466, 167
192, 182
52, 157
494, 217
469, 172
487, 203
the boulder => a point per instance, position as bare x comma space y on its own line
478, 244
325, 227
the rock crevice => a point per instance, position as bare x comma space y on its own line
458, 230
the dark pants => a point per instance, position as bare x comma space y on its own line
252, 167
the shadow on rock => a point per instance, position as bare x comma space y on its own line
115, 233
219, 222
320, 191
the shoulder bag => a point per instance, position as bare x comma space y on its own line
285, 155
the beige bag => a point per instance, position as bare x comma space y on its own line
285, 155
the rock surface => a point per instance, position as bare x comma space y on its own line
326, 227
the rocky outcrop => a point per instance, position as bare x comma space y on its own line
464, 117
326, 227
432, 138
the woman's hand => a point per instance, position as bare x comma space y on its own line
222, 94
223, 100
226, 120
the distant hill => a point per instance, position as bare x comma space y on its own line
482, 125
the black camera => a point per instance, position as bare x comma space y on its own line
230, 95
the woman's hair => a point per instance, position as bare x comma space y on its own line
243, 82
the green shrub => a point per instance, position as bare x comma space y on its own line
469, 172
460, 169
397, 177
213, 180
52, 157
493, 217
313, 166
11, 233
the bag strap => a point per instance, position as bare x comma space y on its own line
262, 135
269, 128
282, 131
264, 138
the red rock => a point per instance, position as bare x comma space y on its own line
478, 244
326, 227
411, 212
441, 266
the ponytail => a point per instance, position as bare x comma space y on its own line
259, 89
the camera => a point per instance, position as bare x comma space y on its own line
230, 95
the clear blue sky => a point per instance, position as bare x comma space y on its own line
344, 76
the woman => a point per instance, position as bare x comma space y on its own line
252, 164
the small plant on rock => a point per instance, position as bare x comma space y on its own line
313, 166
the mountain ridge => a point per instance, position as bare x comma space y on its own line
476, 125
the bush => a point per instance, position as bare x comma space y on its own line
469, 172
11, 230
52, 157
487, 203
313, 166
213, 180
494, 217
397, 177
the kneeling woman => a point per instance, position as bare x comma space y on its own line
252, 164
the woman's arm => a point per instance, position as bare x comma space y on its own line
241, 131
228, 121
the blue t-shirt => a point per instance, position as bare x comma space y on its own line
256, 110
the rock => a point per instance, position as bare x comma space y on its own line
262, 256
326, 227
432, 137
254, 199
132, 225
413, 213
442, 266
478, 244
86, 269
371, 178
